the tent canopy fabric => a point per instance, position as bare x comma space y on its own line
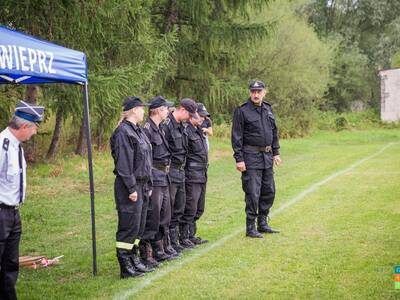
25, 59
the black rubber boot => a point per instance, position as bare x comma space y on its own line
251, 230
125, 264
158, 251
192, 235
167, 246
174, 234
146, 254
262, 225
137, 263
184, 237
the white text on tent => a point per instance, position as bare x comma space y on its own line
26, 59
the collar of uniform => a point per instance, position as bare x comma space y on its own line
173, 120
13, 140
134, 126
152, 124
252, 105
191, 126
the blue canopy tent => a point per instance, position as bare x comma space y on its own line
28, 60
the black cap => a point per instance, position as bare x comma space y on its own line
256, 85
131, 102
29, 112
190, 106
159, 101
202, 111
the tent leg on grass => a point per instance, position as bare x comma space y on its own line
90, 163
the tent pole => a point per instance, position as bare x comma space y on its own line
90, 162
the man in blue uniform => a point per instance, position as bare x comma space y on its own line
255, 144
22, 127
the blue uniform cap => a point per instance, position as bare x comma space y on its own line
29, 112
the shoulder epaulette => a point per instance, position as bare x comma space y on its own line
146, 125
266, 103
167, 121
6, 144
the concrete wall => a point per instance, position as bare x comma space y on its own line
390, 95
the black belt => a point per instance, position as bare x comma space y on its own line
5, 206
196, 164
144, 179
164, 168
178, 166
258, 148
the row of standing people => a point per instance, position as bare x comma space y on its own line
160, 184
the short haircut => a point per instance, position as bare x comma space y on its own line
17, 123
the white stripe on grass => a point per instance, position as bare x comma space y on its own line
150, 278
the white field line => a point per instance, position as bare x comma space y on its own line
150, 278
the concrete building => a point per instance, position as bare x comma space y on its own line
390, 95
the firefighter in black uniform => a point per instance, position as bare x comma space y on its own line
159, 211
256, 148
131, 151
177, 142
196, 179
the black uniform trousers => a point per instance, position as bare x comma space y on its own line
195, 202
158, 214
177, 196
10, 234
259, 188
131, 215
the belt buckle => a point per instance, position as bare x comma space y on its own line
167, 168
267, 149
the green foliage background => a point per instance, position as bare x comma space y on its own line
315, 55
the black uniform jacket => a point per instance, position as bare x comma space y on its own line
176, 138
177, 142
131, 151
161, 154
197, 156
255, 126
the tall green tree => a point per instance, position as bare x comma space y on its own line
125, 52
367, 32
212, 40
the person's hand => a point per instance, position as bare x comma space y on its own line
277, 160
240, 166
133, 196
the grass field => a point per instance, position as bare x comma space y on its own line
337, 205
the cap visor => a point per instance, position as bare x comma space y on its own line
194, 115
169, 104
